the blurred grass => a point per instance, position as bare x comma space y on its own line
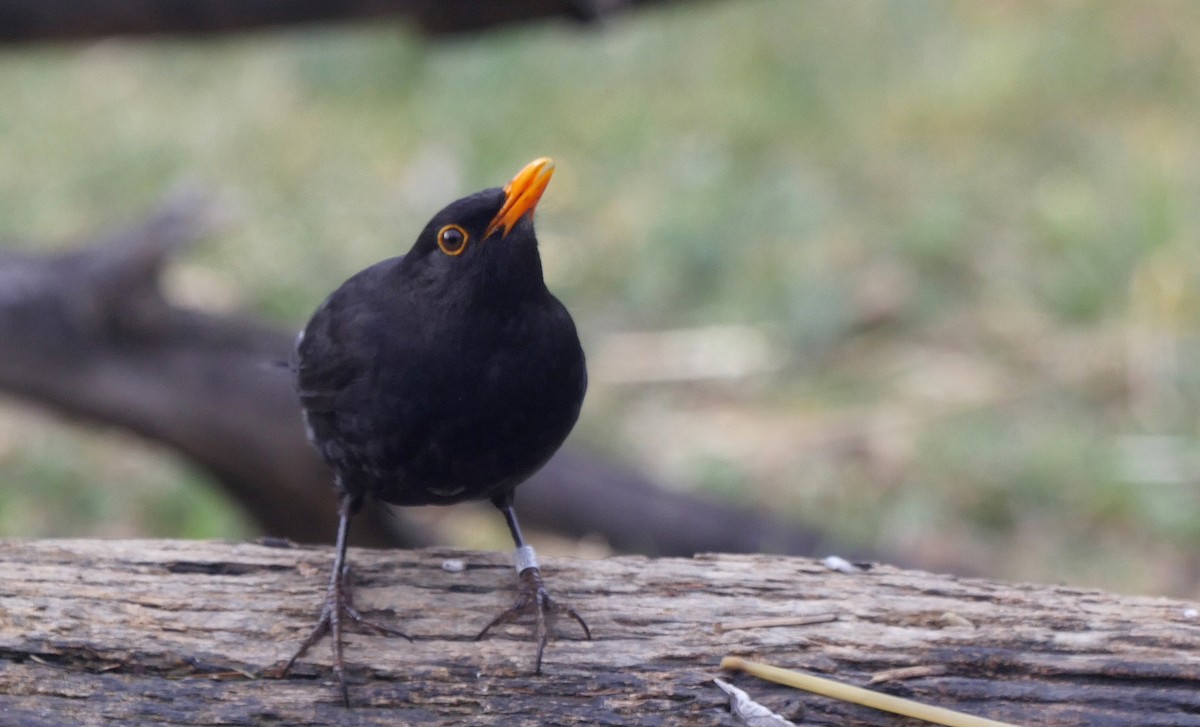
971, 229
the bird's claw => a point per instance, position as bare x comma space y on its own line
338, 604
378, 628
533, 598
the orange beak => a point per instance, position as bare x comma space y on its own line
521, 195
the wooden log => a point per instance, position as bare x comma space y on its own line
172, 632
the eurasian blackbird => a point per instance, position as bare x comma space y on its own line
448, 374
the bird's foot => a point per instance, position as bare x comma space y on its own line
533, 599
338, 606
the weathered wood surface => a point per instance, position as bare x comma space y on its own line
171, 632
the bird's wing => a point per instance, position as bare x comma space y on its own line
335, 350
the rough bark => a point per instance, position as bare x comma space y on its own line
28, 20
90, 333
181, 633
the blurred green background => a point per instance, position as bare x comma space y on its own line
951, 251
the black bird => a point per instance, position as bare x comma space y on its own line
448, 374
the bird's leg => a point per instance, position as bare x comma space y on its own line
532, 596
338, 603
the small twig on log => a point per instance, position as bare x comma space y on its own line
774, 623
857, 695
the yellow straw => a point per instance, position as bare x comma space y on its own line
858, 695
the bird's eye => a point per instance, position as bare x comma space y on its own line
452, 239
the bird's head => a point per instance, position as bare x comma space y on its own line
486, 240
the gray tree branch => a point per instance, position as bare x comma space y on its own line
90, 333
39, 20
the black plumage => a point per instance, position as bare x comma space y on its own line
448, 374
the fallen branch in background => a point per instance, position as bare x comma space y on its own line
90, 333
31, 20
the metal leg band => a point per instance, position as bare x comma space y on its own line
524, 558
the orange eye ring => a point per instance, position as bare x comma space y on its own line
452, 240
